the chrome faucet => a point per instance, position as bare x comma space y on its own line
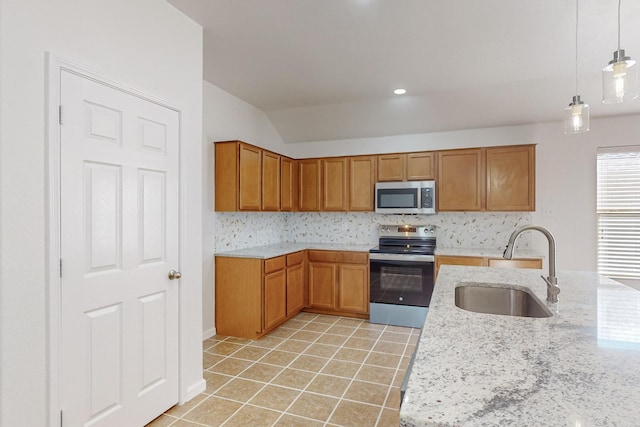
552, 281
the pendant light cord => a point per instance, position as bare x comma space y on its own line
619, 1
577, 1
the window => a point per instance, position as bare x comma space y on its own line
618, 210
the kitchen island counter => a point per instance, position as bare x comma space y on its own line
580, 367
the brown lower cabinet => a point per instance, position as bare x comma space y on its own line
339, 283
253, 296
296, 291
535, 263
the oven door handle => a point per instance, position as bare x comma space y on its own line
401, 257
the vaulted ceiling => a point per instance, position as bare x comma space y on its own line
326, 69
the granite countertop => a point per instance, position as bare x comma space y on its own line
580, 367
278, 249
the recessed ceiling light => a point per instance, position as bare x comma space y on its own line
400, 91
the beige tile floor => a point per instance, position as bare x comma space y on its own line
314, 370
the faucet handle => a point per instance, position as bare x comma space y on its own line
552, 288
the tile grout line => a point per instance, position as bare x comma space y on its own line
282, 369
391, 386
315, 374
354, 376
303, 324
266, 384
231, 341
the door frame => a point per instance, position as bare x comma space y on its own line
54, 66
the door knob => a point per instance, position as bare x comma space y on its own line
173, 275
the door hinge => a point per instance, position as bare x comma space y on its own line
61, 418
60, 267
60, 114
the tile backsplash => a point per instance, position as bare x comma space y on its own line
238, 230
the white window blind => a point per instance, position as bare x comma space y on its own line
618, 206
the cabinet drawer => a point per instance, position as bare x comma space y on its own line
339, 257
294, 259
274, 264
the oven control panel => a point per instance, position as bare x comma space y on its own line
407, 230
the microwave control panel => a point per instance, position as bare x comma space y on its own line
427, 197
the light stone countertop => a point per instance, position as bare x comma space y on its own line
278, 249
580, 367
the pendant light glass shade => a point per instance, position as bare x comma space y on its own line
576, 117
620, 76
619, 79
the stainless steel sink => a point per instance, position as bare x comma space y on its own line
497, 299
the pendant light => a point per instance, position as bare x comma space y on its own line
576, 115
620, 76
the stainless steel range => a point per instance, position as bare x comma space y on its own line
401, 275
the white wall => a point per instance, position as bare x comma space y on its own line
145, 43
566, 185
226, 118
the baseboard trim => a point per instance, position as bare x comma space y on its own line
193, 391
208, 333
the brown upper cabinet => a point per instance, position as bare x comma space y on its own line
270, 181
511, 176
460, 176
310, 184
288, 184
334, 184
338, 184
406, 166
248, 178
362, 182
238, 176
487, 179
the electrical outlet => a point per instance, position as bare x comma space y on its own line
548, 212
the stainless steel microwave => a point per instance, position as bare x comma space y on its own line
410, 197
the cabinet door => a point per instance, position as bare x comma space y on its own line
334, 184
226, 176
362, 182
295, 289
309, 184
460, 260
460, 182
275, 297
511, 178
353, 288
421, 166
286, 184
391, 167
239, 283
515, 263
270, 181
250, 185
322, 278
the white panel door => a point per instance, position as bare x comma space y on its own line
119, 239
